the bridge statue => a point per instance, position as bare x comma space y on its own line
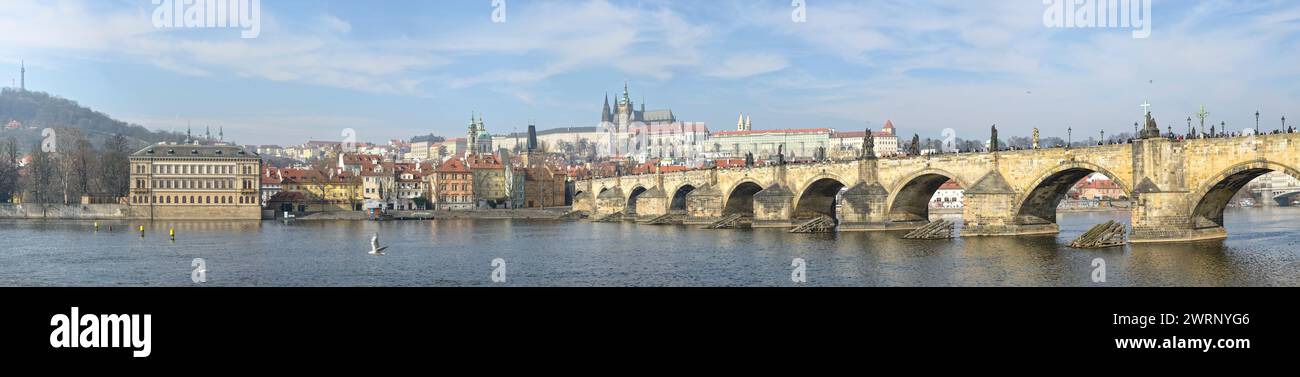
1035, 137
868, 146
1179, 187
993, 143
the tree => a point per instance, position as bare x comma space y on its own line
8, 169
40, 176
115, 167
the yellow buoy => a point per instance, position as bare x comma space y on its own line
172, 233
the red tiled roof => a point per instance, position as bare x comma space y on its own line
859, 134
454, 165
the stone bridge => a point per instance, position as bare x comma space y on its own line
1179, 188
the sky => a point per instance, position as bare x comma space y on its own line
397, 69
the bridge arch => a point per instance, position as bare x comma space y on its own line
678, 202
740, 198
819, 196
909, 199
630, 207
1210, 200
1043, 195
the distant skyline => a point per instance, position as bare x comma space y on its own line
400, 69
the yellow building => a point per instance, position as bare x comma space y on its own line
490, 185
341, 192
201, 182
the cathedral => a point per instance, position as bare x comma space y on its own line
643, 135
625, 115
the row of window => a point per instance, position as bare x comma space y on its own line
192, 199
195, 184
194, 169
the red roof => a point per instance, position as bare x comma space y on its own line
1100, 184
454, 165
860, 134
889, 124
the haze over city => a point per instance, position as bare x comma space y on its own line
319, 67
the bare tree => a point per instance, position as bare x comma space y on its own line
8, 169
41, 174
115, 167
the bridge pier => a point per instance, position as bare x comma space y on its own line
703, 206
609, 202
774, 207
1166, 217
990, 210
585, 202
863, 208
651, 204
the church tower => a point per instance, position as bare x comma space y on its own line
605, 115
471, 135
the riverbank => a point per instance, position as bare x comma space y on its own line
491, 214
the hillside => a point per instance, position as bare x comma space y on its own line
39, 110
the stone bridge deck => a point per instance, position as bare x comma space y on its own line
1180, 188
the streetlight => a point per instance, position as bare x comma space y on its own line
1284, 123
1189, 127
1069, 137
1256, 122
1103, 137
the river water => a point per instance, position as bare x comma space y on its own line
1263, 249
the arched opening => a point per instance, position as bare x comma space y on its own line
741, 199
821, 198
912, 202
1082, 187
679, 199
630, 208
1208, 212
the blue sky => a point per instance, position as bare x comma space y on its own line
395, 69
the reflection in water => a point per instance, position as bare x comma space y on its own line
1262, 251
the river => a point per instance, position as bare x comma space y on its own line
1263, 249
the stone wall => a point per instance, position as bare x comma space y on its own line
65, 212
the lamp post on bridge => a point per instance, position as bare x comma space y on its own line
1069, 137
1103, 137
1257, 122
1189, 127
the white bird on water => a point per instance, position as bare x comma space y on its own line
374, 246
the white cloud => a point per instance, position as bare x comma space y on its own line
742, 66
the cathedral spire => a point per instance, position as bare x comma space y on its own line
605, 114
